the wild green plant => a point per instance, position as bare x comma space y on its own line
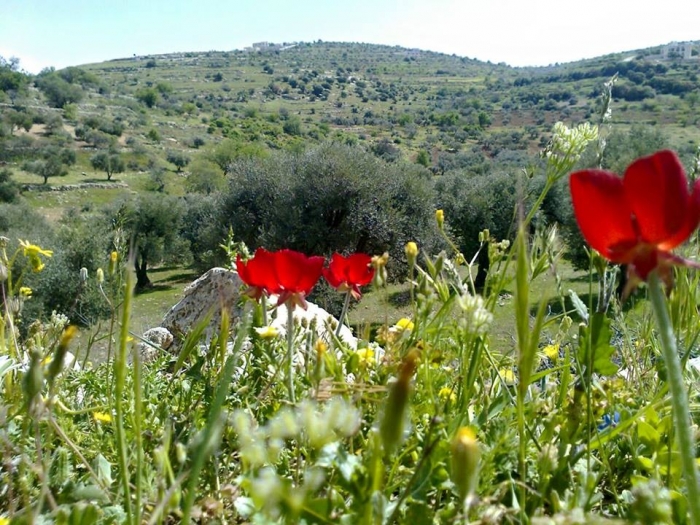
432, 419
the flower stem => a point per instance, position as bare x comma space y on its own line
343, 313
290, 350
679, 395
120, 371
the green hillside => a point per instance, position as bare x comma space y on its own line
172, 126
416, 100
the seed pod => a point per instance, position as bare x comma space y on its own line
465, 462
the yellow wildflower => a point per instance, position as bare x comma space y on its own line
267, 332
32, 252
446, 393
365, 356
551, 351
507, 375
404, 324
25, 291
102, 417
321, 347
4, 521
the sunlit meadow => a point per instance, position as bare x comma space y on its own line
583, 418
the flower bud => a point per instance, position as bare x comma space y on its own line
33, 378
100, 275
321, 348
83, 274
113, 258
411, 251
440, 218
392, 424
379, 264
465, 462
180, 453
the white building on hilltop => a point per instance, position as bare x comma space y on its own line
682, 50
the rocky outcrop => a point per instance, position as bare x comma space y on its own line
215, 291
219, 289
154, 341
313, 318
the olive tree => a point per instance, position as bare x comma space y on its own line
329, 198
108, 161
152, 222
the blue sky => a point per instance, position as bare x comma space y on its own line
60, 33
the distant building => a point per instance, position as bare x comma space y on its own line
266, 46
682, 50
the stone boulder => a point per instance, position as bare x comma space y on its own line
217, 290
313, 318
154, 340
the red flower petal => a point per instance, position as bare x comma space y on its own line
334, 273
602, 213
312, 273
296, 272
656, 191
258, 272
349, 273
692, 220
359, 270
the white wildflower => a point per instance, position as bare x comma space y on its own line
477, 318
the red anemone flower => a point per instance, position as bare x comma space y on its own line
258, 273
286, 273
638, 219
296, 275
347, 274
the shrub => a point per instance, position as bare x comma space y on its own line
9, 189
57, 91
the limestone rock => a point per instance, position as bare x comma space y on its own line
156, 339
316, 318
215, 291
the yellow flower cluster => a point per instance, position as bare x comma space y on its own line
447, 393
32, 252
267, 332
102, 417
390, 334
365, 356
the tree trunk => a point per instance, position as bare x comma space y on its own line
484, 265
142, 280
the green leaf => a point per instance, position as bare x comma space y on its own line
103, 469
579, 306
595, 349
526, 357
645, 463
648, 435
